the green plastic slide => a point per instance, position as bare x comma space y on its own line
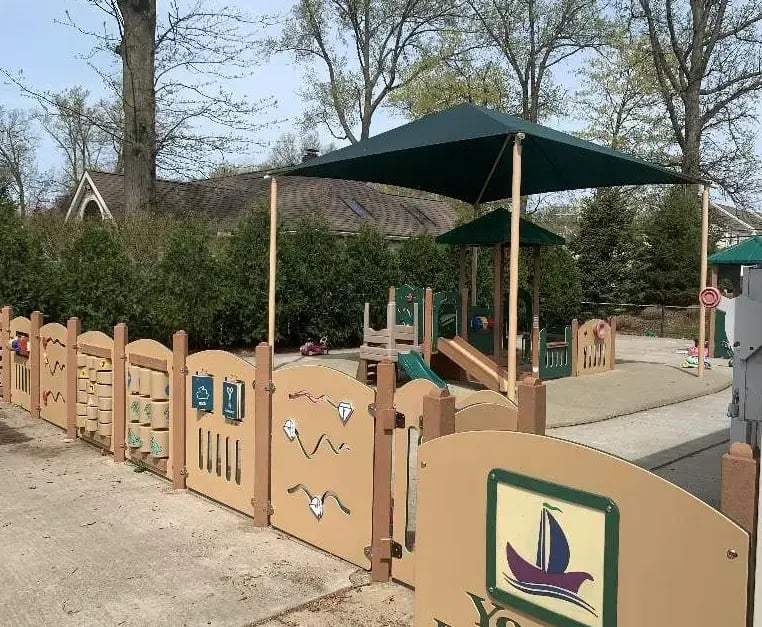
412, 363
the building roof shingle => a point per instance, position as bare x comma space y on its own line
224, 201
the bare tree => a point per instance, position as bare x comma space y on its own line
367, 51
532, 37
707, 56
200, 49
620, 102
291, 148
79, 130
17, 154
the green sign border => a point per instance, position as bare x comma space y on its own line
610, 554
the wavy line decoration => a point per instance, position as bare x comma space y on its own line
57, 396
317, 503
50, 340
57, 366
292, 433
345, 409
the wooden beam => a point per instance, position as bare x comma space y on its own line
536, 313
381, 562
119, 427
147, 362
72, 332
95, 351
34, 363
263, 408
702, 282
5, 337
513, 294
178, 427
713, 312
273, 262
497, 299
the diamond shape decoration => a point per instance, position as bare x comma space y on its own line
316, 505
345, 410
289, 428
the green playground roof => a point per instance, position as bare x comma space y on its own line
495, 228
465, 152
745, 253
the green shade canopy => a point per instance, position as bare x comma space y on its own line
495, 228
746, 253
453, 152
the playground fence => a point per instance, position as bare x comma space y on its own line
305, 448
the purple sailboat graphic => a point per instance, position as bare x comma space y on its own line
548, 576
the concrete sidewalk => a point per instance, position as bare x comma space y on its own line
89, 542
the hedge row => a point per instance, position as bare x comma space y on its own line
160, 275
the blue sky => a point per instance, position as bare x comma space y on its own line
49, 54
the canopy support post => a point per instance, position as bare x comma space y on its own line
474, 273
273, 257
462, 294
497, 301
536, 314
513, 294
702, 282
713, 312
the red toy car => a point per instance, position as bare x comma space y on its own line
315, 348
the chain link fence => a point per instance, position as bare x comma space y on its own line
653, 320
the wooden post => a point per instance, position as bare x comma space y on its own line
381, 558
428, 325
34, 361
536, 313
738, 492
702, 282
464, 314
119, 428
273, 261
177, 428
497, 298
574, 346
263, 409
612, 347
713, 311
532, 406
72, 333
438, 414
391, 324
513, 293
5, 337
392, 298
474, 274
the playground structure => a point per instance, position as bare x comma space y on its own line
330, 460
440, 336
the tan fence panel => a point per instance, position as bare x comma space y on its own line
95, 388
594, 354
219, 452
486, 417
149, 405
21, 369
638, 550
53, 373
322, 460
408, 400
489, 397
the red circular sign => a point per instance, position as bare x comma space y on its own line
710, 297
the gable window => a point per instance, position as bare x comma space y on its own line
357, 208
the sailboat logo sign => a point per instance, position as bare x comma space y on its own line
548, 576
552, 551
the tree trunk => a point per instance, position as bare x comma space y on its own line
139, 101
